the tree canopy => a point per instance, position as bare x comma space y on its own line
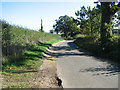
88, 19
99, 19
65, 25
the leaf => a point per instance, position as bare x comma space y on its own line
11, 68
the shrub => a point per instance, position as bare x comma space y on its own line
92, 44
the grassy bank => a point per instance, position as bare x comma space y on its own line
15, 39
91, 43
19, 72
22, 51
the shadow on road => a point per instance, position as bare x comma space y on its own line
109, 70
68, 49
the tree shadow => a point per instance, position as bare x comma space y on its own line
109, 70
43, 44
68, 50
68, 47
71, 54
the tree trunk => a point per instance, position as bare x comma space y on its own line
106, 18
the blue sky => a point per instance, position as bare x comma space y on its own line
29, 14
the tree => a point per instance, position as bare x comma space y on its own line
52, 31
88, 19
56, 28
108, 9
66, 26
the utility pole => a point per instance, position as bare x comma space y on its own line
41, 30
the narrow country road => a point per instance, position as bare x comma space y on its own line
79, 69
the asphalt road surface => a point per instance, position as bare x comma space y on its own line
80, 69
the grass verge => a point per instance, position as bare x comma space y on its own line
91, 43
18, 73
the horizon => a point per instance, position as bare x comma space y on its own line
29, 14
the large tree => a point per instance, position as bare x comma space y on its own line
108, 9
88, 19
65, 25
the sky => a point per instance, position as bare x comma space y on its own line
29, 13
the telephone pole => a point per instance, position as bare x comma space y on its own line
41, 30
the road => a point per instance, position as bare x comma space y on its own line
80, 69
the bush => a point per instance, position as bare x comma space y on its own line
92, 44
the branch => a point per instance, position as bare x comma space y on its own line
118, 7
118, 4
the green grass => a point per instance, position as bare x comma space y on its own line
16, 39
79, 35
21, 85
52, 41
23, 70
22, 51
91, 43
